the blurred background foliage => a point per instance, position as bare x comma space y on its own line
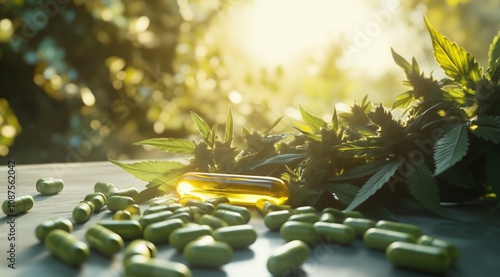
81, 80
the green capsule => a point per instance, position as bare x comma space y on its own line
185, 199
326, 217
262, 205
122, 215
419, 257
194, 212
104, 240
155, 209
48, 186
206, 252
66, 247
203, 206
353, 214
173, 207
305, 217
337, 214
164, 202
212, 221
45, 227
230, 217
139, 247
448, 246
130, 192
133, 209
217, 200
360, 225
335, 232
274, 220
146, 220
399, 227
286, 257
380, 239
127, 229
244, 212
83, 211
182, 236
98, 199
141, 266
116, 203
184, 216
158, 232
18, 205
294, 230
104, 187
239, 236
305, 210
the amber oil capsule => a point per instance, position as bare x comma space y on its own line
239, 189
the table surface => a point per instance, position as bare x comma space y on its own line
478, 242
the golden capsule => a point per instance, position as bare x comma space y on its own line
133, 209
122, 215
45, 227
104, 240
48, 186
239, 189
66, 247
18, 205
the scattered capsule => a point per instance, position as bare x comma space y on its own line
45, 227
159, 232
66, 247
185, 217
239, 236
360, 225
127, 229
155, 209
174, 206
130, 192
212, 221
274, 220
244, 212
116, 203
380, 239
305, 217
48, 186
122, 215
18, 205
140, 247
217, 200
239, 189
98, 199
104, 240
262, 205
182, 236
206, 252
337, 214
104, 187
448, 246
141, 266
304, 210
294, 230
326, 217
133, 209
163, 202
232, 218
286, 257
83, 211
400, 227
353, 214
203, 206
184, 200
335, 232
146, 220
194, 212
419, 257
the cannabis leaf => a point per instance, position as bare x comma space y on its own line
284, 159
361, 171
401, 62
375, 182
344, 192
450, 148
203, 127
456, 62
487, 128
315, 123
494, 53
149, 170
228, 134
422, 185
170, 145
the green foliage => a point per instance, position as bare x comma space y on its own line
366, 157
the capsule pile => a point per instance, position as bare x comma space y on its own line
209, 232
